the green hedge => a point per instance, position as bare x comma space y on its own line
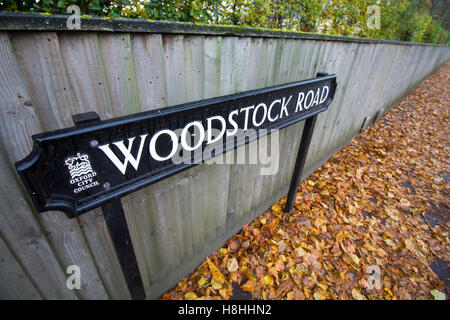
404, 20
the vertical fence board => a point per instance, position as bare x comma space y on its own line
149, 62
45, 77
21, 230
24, 236
65, 235
240, 174
14, 282
97, 235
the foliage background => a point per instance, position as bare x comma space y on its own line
405, 20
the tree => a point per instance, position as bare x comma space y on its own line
405, 20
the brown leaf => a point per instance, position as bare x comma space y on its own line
217, 275
250, 285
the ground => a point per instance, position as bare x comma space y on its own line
372, 223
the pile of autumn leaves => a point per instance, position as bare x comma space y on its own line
364, 209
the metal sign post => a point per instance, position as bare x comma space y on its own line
308, 130
120, 236
96, 162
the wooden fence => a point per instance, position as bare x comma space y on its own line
48, 73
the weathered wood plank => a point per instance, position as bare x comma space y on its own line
42, 63
121, 78
23, 235
22, 231
86, 73
14, 282
85, 69
149, 60
239, 195
266, 47
166, 230
346, 58
149, 67
65, 235
102, 249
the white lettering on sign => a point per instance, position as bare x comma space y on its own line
122, 166
210, 128
152, 146
284, 107
312, 98
253, 116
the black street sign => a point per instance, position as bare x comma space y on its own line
96, 162
77, 169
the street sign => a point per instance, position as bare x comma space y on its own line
78, 169
96, 162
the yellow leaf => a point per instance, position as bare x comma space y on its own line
356, 294
215, 285
202, 282
321, 285
191, 296
438, 295
223, 250
351, 209
299, 269
405, 203
389, 291
225, 293
277, 208
393, 214
319, 295
354, 258
268, 281
217, 275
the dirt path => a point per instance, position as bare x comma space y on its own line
372, 223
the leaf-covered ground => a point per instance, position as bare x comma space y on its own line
381, 204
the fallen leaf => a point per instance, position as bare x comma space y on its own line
250, 285
438, 295
217, 275
215, 284
357, 295
191, 296
232, 265
319, 295
268, 281
300, 252
202, 282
